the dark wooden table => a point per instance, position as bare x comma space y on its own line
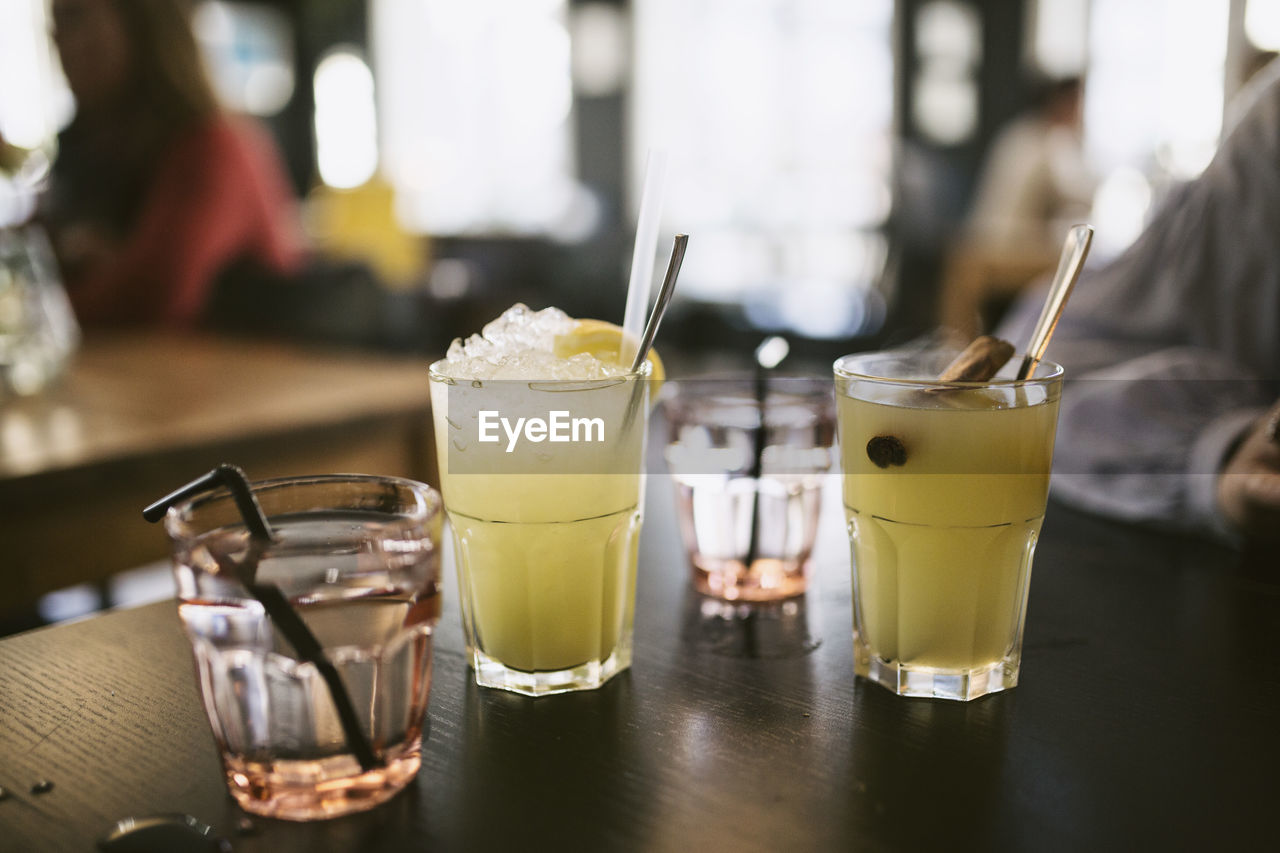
138, 414
1146, 719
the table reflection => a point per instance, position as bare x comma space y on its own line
764, 630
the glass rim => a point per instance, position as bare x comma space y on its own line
427, 502
734, 379
437, 375
842, 371
735, 390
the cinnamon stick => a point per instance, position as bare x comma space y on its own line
980, 361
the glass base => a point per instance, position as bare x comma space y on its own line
318, 790
767, 579
588, 676
931, 682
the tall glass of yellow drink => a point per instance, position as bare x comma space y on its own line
541, 455
945, 485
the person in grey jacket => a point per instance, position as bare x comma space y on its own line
1173, 351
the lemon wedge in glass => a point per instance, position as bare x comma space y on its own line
604, 341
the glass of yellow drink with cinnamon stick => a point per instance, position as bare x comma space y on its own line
946, 475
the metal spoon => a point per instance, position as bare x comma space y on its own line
1074, 251
664, 299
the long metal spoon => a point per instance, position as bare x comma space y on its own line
664, 299
1074, 251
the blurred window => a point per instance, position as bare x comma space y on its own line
475, 103
601, 44
945, 88
248, 49
345, 119
34, 105
1262, 24
34, 100
778, 133
1153, 102
1059, 39
1156, 79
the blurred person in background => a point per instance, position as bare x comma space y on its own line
1175, 347
1035, 182
155, 190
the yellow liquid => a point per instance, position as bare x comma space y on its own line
546, 556
551, 595
942, 545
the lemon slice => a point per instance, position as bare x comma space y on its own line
604, 341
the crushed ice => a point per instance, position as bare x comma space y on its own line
520, 345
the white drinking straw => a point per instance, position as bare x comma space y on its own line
641, 283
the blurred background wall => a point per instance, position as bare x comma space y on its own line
823, 153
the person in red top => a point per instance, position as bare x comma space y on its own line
156, 191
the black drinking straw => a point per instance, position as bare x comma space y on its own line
757, 462
768, 355
282, 614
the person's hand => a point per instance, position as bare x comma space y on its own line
1249, 485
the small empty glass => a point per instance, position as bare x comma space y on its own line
749, 522
358, 559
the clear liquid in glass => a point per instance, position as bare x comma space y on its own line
720, 514
749, 537
282, 744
